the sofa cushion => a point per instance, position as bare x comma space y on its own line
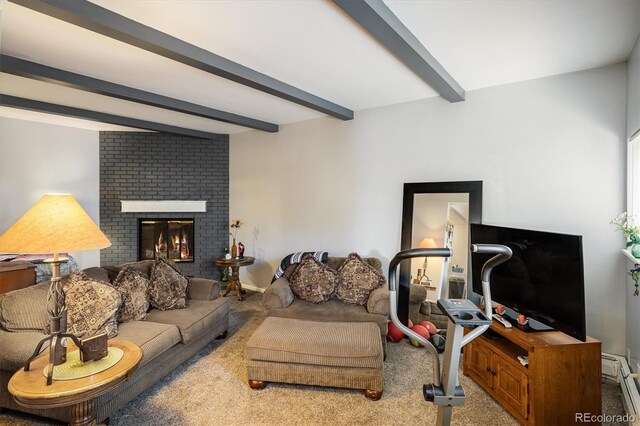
153, 338
133, 287
357, 280
168, 288
92, 306
25, 309
332, 310
143, 266
197, 319
16, 348
98, 274
313, 281
203, 289
335, 262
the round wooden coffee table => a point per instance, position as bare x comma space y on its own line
29, 388
234, 280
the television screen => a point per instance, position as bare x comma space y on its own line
543, 280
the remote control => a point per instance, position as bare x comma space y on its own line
524, 360
502, 321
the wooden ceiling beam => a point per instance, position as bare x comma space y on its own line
33, 70
103, 21
101, 117
377, 19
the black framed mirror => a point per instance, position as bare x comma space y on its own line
437, 214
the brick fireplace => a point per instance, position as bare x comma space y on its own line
157, 166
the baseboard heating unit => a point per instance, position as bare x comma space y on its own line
616, 368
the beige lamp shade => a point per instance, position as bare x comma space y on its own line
427, 243
55, 224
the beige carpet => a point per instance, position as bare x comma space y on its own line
211, 389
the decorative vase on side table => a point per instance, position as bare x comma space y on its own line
235, 225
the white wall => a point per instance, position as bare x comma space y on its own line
633, 90
551, 153
633, 125
38, 158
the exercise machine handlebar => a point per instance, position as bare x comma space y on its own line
502, 254
393, 300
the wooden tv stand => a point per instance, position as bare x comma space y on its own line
562, 379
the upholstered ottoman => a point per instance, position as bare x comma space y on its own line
338, 354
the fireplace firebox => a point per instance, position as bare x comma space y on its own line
166, 238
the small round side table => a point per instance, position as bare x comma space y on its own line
29, 388
234, 280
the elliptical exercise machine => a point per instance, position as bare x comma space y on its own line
444, 391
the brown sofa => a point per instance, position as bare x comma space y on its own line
280, 301
167, 338
325, 344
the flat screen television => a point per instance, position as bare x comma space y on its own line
543, 280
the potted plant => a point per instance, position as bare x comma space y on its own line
625, 223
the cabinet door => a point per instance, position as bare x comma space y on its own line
510, 384
479, 361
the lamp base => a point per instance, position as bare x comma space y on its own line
76, 368
93, 349
57, 323
57, 352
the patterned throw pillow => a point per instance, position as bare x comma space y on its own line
313, 281
168, 288
92, 306
133, 287
357, 280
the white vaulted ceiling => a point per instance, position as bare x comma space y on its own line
314, 46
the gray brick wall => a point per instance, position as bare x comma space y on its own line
156, 166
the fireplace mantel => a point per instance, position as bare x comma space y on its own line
163, 206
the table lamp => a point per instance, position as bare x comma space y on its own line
426, 243
55, 224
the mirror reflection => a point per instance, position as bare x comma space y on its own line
441, 220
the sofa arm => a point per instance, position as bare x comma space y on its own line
418, 294
203, 289
278, 295
378, 302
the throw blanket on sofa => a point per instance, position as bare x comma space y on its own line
43, 270
321, 256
